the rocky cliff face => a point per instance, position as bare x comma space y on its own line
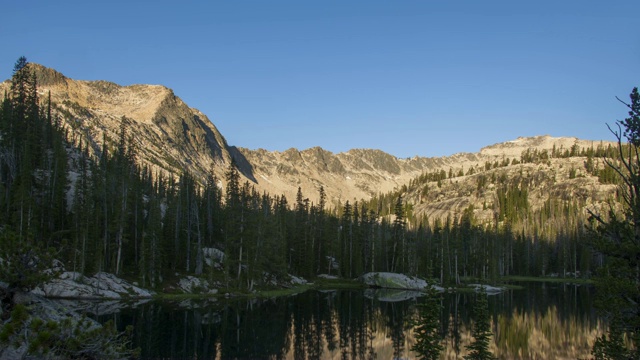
363, 173
171, 136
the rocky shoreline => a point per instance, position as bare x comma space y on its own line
70, 295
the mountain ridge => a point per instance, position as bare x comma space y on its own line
173, 137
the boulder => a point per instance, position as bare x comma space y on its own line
70, 284
46, 310
327, 276
490, 290
213, 257
111, 283
192, 285
297, 280
389, 280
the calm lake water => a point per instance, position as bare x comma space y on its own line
542, 321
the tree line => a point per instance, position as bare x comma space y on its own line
103, 211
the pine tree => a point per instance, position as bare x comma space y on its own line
479, 348
617, 237
234, 223
346, 240
320, 243
399, 224
428, 344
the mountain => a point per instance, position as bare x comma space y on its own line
170, 136
363, 173
565, 171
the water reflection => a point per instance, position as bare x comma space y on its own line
540, 322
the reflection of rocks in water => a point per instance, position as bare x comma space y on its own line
490, 290
100, 307
392, 295
190, 304
211, 318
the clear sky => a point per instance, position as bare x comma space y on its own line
426, 78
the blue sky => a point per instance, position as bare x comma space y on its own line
426, 78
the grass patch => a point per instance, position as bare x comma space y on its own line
512, 287
463, 289
333, 284
548, 279
179, 297
234, 293
280, 292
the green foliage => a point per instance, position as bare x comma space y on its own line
631, 124
513, 202
22, 263
611, 346
8, 331
616, 237
426, 328
479, 348
126, 219
608, 175
68, 338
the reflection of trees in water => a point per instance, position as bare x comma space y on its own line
545, 336
550, 322
353, 313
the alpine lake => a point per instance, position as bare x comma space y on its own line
539, 320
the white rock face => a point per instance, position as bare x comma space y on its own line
490, 290
213, 256
70, 284
46, 310
395, 281
192, 285
327, 276
297, 280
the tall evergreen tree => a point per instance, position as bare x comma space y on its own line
479, 347
399, 224
346, 240
428, 344
617, 237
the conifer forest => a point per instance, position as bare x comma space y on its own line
105, 212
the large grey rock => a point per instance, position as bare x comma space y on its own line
295, 280
213, 257
327, 276
389, 280
192, 284
70, 284
46, 310
392, 295
111, 283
